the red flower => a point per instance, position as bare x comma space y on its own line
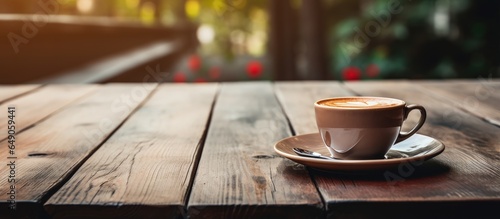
372, 70
194, 62
200, 80
351, 73
214, 72
179, 77
254, 69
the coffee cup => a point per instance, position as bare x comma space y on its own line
355, 128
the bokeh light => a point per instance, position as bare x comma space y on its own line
179, 77
254, 69
205, 34
132, 3
194, 63
351, 73
85, 6
372, 70
148, 13
192, 8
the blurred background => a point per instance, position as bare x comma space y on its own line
98, 41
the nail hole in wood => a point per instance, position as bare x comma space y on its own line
263, 156
38, 154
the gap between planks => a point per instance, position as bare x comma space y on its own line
40, 175
478, 97
361, 189
35, 106
146, 165
239, 173
9, 92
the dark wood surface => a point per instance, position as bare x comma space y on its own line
151, 156
42, 103
206, 151
51, 150
476, 97
239, 175
468, 170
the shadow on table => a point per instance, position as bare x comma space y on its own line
402, 172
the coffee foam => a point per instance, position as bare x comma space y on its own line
360, 103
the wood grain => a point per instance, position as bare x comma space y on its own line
11, 91
49, 152
35, 106
462, 182
145, 169
239, 174
479, 97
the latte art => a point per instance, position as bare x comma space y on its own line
360, 103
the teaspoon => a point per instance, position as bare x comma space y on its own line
308, 153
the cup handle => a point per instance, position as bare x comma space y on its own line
423, 115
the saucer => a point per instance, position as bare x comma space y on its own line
417, 148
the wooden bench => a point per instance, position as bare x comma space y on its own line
71, 49
108, 68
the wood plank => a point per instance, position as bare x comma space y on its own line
52, 150
40, 104
462, 182
145, 169
297, 99
479, 97
239, 174
462, 179
11, 91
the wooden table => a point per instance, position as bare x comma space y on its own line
206, 151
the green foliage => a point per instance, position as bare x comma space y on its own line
414, 45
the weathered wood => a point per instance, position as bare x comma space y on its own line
52, 150
10, 91
37, 105
146, 167
443, 185
479, 97
467, 171
239, 174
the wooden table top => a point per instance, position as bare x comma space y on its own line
206, 151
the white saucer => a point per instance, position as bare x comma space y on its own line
414, 149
